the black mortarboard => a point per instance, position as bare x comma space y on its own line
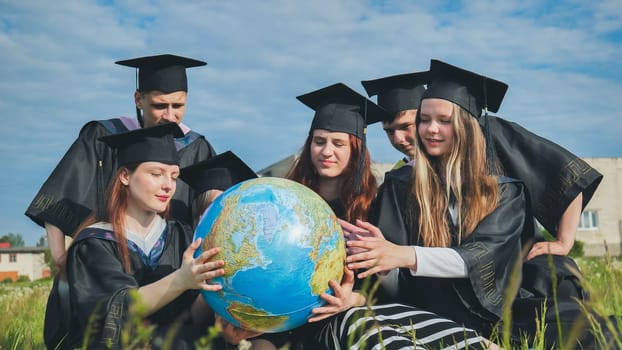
469, 90
165, 73
219, 172
398, 93
339, 108
153, 144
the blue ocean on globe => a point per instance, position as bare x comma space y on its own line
281, 244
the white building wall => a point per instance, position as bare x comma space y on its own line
31, 264
607, 203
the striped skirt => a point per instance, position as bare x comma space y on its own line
395, 326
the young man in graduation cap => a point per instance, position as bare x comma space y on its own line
75, 188
400, 95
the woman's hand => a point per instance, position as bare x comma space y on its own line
194, 273
232, 334
352, 232
554, 248
343, 299
373, 253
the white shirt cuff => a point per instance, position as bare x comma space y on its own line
439, 262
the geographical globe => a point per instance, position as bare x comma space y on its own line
281, 244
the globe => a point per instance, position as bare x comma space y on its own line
281, 244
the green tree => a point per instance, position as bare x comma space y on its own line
15, 239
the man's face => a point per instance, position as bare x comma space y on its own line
401, 132
159, 107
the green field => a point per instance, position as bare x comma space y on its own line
22, 305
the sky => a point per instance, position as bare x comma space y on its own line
561, 60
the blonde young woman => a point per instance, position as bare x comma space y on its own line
454, 230
335, 163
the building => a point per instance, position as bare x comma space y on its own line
23, 261
600, 228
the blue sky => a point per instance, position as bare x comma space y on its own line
561, 60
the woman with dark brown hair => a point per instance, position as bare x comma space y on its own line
335, 179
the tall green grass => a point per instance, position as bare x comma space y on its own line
22, 311
22, 308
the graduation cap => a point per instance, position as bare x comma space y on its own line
153, 144
219, 172
398, 93
339, 108
165, 73
469, 90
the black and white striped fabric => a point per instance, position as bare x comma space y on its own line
395, 326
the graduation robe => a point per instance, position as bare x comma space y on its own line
99, 286
76, 187
489, 253
553, 175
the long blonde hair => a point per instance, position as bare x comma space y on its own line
462, 174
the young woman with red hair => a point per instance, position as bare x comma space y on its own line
134, 258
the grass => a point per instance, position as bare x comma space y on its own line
22, 310
22, 306
604, 282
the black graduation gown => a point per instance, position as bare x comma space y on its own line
75, 188
99, 286
461, 300
552, 175
490, 253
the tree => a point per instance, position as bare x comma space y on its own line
15, 239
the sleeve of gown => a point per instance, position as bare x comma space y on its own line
97, 279
199, 150
69, 194
553, 175
494, 248
209, 150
